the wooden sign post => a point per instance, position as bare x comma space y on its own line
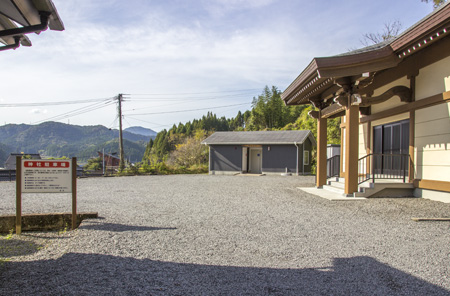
45, 176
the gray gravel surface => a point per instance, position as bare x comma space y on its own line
227, 235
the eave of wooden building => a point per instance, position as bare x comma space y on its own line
319, 81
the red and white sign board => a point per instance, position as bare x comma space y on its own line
46, 176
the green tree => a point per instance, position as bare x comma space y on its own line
191, 152
94, 164
305, 122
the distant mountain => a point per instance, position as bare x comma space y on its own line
139, 130
56, 139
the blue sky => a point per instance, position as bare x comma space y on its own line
179, 55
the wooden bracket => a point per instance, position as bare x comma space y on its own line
401, 91
314, 114
342, 100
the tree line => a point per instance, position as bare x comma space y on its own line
179, 148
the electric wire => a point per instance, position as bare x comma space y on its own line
55, 103
196, 98
188, 110
183, 102
154, 125
196, 93
76, 112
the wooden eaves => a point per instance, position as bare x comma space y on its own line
321, 81
20, 17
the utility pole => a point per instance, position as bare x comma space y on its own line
119, 110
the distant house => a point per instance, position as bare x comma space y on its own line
10, 163
110, 159
267, 152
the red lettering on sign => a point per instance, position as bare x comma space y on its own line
46, 163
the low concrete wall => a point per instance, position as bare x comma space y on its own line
39, 222
224, 172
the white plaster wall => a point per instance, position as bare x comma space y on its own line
432, 126
433, 79
432, 142
362, 142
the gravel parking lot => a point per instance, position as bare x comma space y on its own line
226, 235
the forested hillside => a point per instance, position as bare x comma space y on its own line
268, 113
54, 139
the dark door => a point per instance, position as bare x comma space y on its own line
390, 141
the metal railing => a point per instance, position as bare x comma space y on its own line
333, 166
383, 166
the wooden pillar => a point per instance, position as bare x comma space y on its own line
368, 132
321, 151
412, 120
342, 164
412, 123
351, 151
18, 195
74, 193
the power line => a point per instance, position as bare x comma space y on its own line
154, 125
197, 93
196, 98
189, 110
55, 103
76, 112
183, 101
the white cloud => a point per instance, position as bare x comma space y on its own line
173, 46
220, 8
38, 111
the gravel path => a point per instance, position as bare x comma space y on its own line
227, 235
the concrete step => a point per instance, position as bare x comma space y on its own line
336, 179
368, 189
336, 184
333, 189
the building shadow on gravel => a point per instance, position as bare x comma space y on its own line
94, 274
120, 227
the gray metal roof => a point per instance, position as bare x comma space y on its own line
20, 17
259, 138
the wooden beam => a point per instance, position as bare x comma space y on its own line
430, 219
420, 104
401, 91
339, 114
331, 110
432, 185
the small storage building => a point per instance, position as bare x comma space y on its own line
260, 152
10, 163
